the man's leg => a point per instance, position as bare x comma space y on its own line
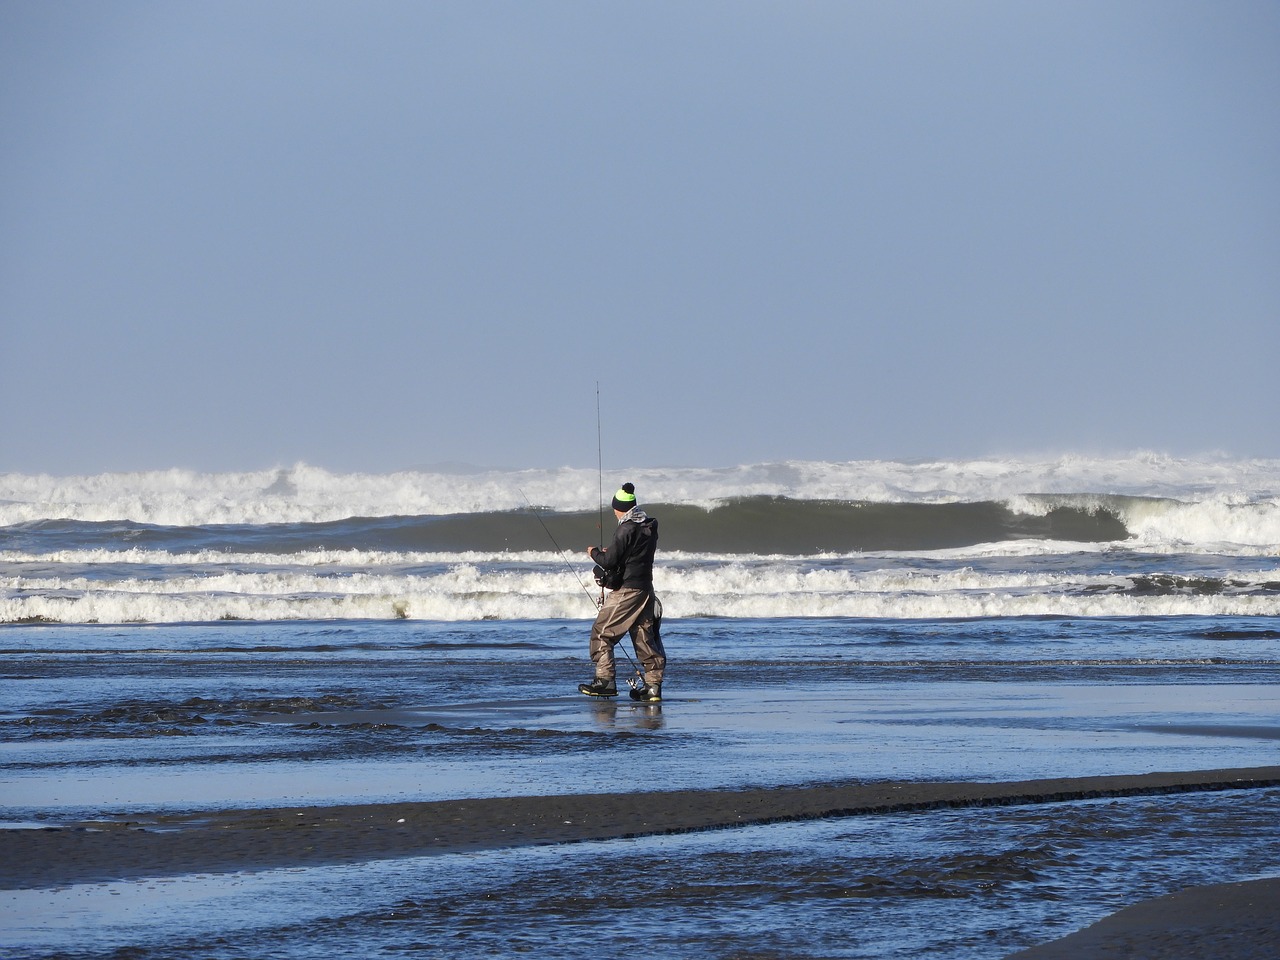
615, 618
647, 640
600, 648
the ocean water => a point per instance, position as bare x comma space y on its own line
1143, 536
177, 641
966, 883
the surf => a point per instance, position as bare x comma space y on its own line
309, 494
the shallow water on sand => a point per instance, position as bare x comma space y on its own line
98, 722
114, 720
963, 884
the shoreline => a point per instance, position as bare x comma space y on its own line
233, 840
1225, 921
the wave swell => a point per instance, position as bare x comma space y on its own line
308, 494
780, 540
747, 525
756, 525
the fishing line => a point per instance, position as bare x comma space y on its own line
577, 576
572, 568
600, 472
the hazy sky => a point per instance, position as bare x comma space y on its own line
381, 235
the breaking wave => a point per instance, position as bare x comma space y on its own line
951, 539
747, 525
463, 589
308, 494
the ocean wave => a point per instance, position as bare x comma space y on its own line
108, 609
309, 494
961, 539
735, 589
1223, 521
748, 525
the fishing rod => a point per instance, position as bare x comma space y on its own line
600, 474
600, 480
598, 603
574, 570
600, 471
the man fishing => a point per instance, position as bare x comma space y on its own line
625, 567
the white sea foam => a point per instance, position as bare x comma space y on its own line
306, 493
1219, 521
740, 588
128, 608
1202, 515
317, 559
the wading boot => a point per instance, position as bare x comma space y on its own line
647, 693
599, 687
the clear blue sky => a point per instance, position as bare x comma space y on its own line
379, 235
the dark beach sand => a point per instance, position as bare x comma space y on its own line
218, 841
1228, 921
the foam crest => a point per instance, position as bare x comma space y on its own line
304, 493
760, 588
869, 539
136, 556
1220, 521
1209, 522
128, 608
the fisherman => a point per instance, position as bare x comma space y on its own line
625, 567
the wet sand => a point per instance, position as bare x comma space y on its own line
1228, 921
219, 841
207, 815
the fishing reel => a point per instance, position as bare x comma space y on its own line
609, 579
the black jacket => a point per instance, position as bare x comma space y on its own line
635, 541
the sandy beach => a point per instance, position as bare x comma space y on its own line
1236, 921
1226, 921
246, 840
192, 803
